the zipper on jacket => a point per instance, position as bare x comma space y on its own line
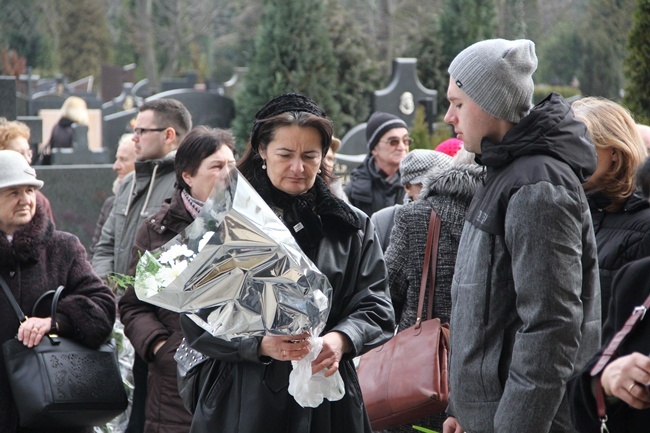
488, 283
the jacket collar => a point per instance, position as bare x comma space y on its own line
550, 129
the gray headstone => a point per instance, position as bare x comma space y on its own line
404, 92
8, 97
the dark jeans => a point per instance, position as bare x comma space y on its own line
136, 420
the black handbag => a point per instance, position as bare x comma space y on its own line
60, 383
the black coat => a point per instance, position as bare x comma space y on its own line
369, 190
41, 259
243, 394
631, 287
622, 237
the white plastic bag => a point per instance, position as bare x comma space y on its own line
310, 390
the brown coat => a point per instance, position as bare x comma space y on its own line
41, 259
145, 325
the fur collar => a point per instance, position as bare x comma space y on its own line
459, 180
28, 241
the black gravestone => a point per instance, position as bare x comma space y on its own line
76, 194
206, 108
8, 97
114, 125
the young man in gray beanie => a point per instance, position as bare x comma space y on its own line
375, 184
525, 297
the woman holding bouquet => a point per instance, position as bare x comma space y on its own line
246, 391
155, 332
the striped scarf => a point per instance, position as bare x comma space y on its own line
192, 205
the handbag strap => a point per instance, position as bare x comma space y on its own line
637, 315
55, 302
12, 300
430, 262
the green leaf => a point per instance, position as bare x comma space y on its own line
422, 429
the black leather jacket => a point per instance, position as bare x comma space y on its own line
243, 394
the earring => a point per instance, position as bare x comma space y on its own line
319, 171
264, 164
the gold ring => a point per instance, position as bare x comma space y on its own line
631, 386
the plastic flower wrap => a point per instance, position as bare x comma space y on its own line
237, 271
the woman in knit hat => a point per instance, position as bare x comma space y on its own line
246, 388
35, 258
375, 184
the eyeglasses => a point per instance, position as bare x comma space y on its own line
394, 141
140, 131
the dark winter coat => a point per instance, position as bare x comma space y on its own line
62, 134
631, 287
145, 325
369, 190
449, 191
41, 259
622, 237
247, 394
525, 296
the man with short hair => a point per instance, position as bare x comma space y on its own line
526, 295
375, 184
159, 128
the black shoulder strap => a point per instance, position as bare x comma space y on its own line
12, 300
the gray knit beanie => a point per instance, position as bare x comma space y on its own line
498, 75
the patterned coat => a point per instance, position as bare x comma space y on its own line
449, 191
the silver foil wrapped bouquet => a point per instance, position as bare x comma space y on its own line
237, 271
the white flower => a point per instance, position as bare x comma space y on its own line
175, 252
204, 240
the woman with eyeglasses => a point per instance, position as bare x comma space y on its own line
375, 184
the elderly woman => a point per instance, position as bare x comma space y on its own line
621, 215
35, 258
246, 391
155, 333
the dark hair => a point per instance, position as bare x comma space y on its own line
643, 178
250, 164
197, 145
170, 113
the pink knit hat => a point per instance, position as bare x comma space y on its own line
450, 146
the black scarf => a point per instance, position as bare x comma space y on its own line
308, 215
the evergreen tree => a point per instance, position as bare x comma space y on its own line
513, 24
464, 22
559, 55
605, 34
293, 53
84, 41
637, 72
358, 75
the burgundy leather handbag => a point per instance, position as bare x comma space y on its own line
406, 378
